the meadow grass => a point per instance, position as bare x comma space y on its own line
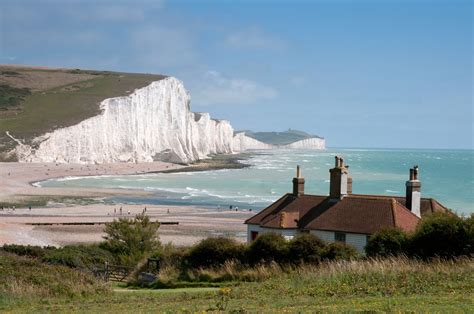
26, 281
394, 284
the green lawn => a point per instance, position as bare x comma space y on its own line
193, 300
392, 285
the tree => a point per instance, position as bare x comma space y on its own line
132, 239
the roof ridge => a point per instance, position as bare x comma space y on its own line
263, 210
402, 207
394, 203
371, 197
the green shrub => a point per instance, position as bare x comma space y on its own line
170, 255
27, 250
78, 256
131, 239
305, 248
339, 251
213, 252
443, 235
12, 96
388, 242
268, 247
469, 225
24, 279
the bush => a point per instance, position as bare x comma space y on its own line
27, 250
305, 248
170, 255
469, 225
388, 242
78, 256
212, 252
268, 247
24, 280
443, 235
131, 239
339, 251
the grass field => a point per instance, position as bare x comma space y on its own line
392, 285
54, 105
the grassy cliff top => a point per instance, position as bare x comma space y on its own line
36, 100
279, 138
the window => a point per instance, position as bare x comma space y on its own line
340, 237
253, 235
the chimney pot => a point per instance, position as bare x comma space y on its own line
339, 180
413, 192
298, 183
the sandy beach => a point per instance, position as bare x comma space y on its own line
16, 178
20, 225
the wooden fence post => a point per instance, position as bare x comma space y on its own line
106, 271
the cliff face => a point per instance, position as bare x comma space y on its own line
243, 142
310, 143
152, 123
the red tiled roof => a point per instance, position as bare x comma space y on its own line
403, 217
354, 213
296, 206
427, 205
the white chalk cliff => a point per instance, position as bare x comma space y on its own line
152, 123
243, 142
311, 143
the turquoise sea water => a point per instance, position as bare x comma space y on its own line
447, 175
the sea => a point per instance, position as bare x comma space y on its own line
446, 175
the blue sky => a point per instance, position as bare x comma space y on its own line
360, 73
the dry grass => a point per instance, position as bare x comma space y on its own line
387, 285
28, 280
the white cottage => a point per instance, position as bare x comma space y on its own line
342, 216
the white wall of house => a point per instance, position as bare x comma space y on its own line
357, 240
287, 233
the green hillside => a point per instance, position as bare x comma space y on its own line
37, 100
280, 138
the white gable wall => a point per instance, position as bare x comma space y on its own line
286, 233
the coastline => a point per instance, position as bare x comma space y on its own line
18, 180
57, 205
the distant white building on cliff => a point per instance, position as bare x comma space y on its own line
342, 216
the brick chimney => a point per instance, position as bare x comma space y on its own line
298, 183
339, 180
413, 192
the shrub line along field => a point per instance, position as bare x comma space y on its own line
304, 274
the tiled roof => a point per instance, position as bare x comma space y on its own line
427, 205
354, 213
